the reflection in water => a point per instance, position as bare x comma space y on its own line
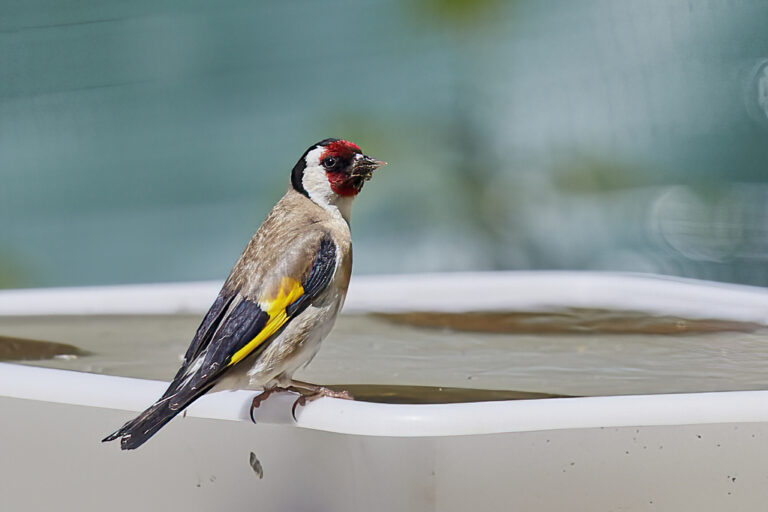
21, 349
572, 320
392, 394
371, 352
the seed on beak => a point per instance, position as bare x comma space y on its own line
364, 167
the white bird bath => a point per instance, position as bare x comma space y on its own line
667, 378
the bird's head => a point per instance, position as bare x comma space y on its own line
333, 171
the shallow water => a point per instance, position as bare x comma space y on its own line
569, 357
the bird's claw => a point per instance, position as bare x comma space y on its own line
312, 394
258, 399
307, 393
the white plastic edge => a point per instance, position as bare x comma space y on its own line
361, 418
489, 291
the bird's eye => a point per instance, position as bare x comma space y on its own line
329, 162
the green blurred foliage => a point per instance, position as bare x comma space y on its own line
585, 175
11, 273
461, 14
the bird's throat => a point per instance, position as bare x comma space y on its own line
344, 185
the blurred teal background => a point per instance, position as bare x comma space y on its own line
145, 141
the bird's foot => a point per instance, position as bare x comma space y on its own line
258, 399
311, 392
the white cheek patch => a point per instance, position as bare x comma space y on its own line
317, 185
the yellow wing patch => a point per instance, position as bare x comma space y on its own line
290, 290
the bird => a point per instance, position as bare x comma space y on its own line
281, 298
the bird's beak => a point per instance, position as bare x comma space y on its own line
364, 167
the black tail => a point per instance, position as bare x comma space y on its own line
137, 431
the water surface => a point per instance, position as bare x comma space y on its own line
569, 353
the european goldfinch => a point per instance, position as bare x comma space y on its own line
280, 299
